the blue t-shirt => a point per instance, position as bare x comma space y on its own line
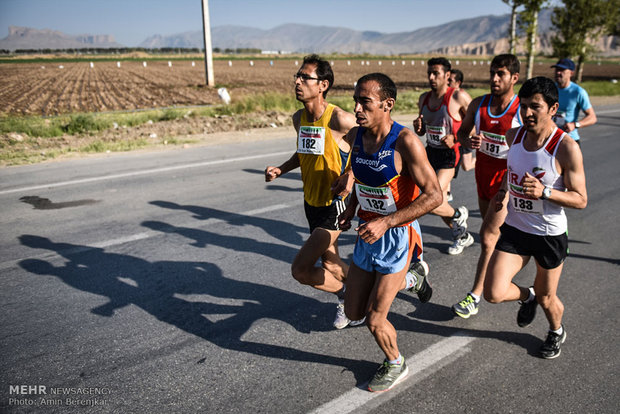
573, 99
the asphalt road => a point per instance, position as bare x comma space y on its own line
160, 283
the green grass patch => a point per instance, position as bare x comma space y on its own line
601, 88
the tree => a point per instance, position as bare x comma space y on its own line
528, 20
513, 24
579, 24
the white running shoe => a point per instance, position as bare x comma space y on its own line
341, 320
461, 221
460, 243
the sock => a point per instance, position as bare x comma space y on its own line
340, 293
532, 296
457, 214
476, 297
559, 331
410, 280
397, 361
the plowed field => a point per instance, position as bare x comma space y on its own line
54, 88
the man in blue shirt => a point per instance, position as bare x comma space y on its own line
573, 99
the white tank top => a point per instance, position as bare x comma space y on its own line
532, 215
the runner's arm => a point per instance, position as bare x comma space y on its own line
418, 124
416, 165
570, 161
466, 133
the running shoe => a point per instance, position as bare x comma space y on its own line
422, 288
341, 320
387, 376
467, 307
461, 221
551, 348
461, 243
357, 323
527, 312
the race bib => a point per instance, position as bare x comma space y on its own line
434, 134
560, 119
494, 145
521, 204
378, 200
311, 140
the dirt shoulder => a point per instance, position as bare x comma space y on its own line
180, 133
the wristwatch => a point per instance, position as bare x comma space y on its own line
546, 193
577, 124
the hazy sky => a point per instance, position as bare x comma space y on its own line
132, 21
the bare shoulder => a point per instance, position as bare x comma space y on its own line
511, 134
569, 152
408, 144
297, 119
462, 97
342, 121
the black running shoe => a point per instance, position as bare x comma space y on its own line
527, 312
551, 348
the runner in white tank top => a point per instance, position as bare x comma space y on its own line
545, 175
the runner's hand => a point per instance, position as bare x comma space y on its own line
372, 231
475, 141
343, 185
448, 141
418, 125
344, 219
271, 173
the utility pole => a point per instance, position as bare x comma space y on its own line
206, 30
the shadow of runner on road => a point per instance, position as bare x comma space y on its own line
156, 287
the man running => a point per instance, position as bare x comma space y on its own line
441, 112
572, 100
489, 117
545, 174
395, 185
322, 154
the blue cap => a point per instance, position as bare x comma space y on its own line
565, 64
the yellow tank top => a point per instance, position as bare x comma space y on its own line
320, 158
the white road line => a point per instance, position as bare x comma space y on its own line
141, 172
420, 364
611, 111
134, 237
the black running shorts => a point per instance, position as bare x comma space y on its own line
441, 158
324, 217
549, 251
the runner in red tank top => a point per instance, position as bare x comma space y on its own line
484, 127
441, 112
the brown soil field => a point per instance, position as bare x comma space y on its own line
56, 88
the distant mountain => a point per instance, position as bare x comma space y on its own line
28, 38
323, 39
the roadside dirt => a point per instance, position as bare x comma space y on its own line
185, 133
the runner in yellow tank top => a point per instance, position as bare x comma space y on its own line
321, 160
320, 130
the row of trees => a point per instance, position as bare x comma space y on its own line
577, 23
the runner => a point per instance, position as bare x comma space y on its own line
573, 99
545, 174
322, 154
441, 112
490, 116
467, 162
395, 185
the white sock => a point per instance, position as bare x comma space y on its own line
410, 280
397, 361
559, 331
476, 297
